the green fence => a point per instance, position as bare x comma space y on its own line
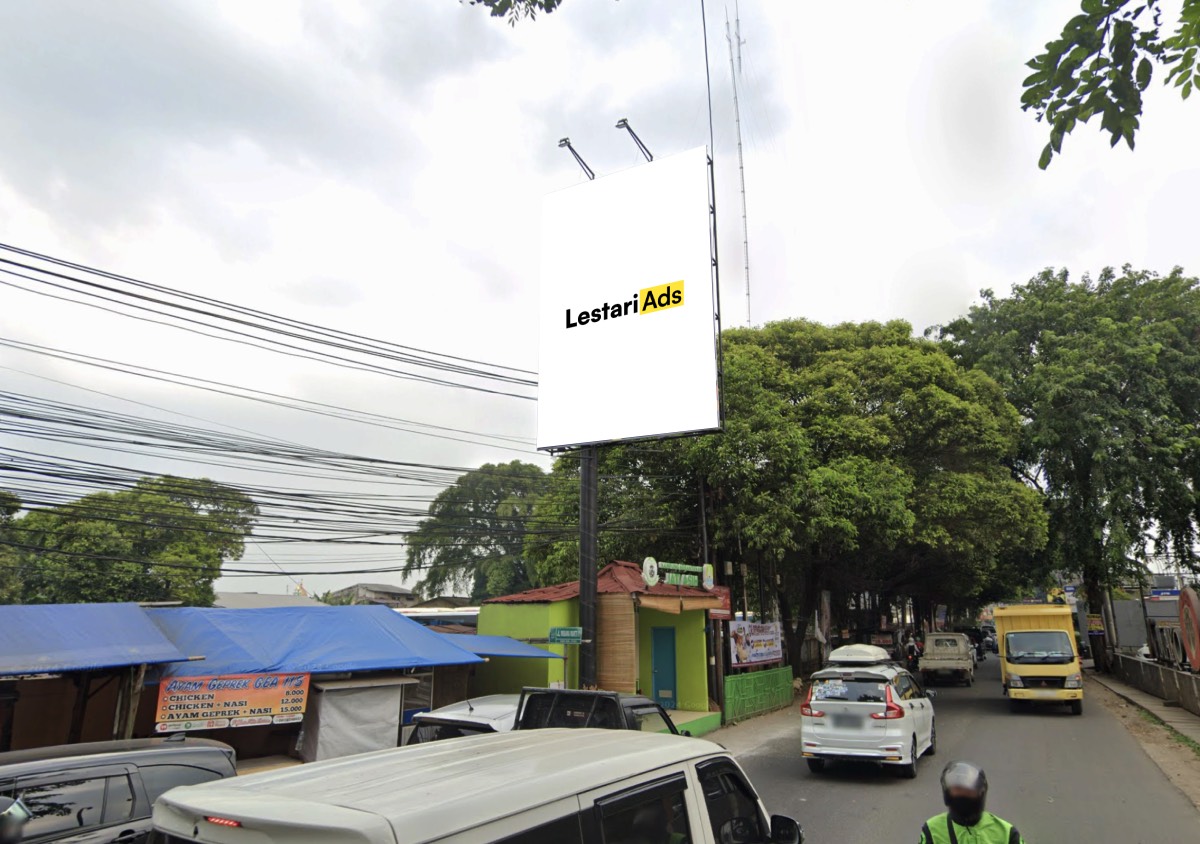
750, 694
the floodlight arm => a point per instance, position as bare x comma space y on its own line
624, 124
566, 142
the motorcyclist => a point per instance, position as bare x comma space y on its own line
964, 791
13, 817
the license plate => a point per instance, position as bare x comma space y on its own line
847, 721
1045, 693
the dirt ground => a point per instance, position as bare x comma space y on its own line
1179, 761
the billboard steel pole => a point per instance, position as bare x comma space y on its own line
588, 518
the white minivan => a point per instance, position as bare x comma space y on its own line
523, 787
863, 707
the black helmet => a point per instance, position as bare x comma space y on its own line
13, 817
965, 810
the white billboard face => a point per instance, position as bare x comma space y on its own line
628, 332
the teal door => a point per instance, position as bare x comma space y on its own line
662, 666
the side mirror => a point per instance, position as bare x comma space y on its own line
930, 693
784, 830
685, 733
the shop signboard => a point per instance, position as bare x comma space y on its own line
725, 611
566, 636
233, 700
753, 643
1095, 623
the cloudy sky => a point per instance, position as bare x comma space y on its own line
379, 167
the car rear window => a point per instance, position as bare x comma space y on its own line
854, 690
567, 710
425, 733
160, 779
947, 643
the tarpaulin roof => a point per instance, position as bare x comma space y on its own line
498, 646
50, 638
302, 639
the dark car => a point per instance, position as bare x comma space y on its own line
541, 708
103, 791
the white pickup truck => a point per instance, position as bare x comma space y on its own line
948, 656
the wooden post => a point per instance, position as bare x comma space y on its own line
132, 699
83, 683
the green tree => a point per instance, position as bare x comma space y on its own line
514, 10
1106, 375
163, 540
10, 562
474, 535
1103, 61
855, 458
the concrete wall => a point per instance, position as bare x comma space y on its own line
691, 658
1159, 680
501, 675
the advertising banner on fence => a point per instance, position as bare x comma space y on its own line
751, 643
235, 700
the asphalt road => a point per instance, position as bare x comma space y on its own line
1059, 778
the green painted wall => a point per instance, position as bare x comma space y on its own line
756, 692
526, 621
691, 659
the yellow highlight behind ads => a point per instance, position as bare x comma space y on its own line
660, 298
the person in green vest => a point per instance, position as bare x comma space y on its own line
964, 791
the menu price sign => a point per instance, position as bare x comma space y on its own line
234, 700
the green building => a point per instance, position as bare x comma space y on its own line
652, 640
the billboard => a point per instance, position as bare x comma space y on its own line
752, 643
234, 700
628, 311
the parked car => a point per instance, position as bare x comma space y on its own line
521, 787
542, 708
948, 656
487, 714
103, 791
864, 707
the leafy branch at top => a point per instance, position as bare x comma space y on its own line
1101, 64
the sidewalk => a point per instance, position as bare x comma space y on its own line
1178, 719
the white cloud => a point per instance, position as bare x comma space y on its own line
379, 167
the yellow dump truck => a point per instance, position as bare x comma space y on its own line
1038, 660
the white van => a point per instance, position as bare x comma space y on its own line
522, 787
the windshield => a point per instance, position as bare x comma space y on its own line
1039, 646
855, 690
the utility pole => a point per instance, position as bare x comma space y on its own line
588, 524
734, 37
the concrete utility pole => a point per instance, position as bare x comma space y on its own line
734, 37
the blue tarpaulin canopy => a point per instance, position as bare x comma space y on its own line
50, 638
498, 646
310, 640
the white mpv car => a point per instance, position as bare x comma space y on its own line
864, 707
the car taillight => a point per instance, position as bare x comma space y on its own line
222, 821
892, 710
806, 707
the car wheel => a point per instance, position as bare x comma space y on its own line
909, 771
816, 765
1076, 707
932, 749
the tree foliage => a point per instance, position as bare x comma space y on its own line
855, 458
1103, 61
514, 10
1106, 375
474, 536
163, 540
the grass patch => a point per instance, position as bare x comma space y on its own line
1176, 736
